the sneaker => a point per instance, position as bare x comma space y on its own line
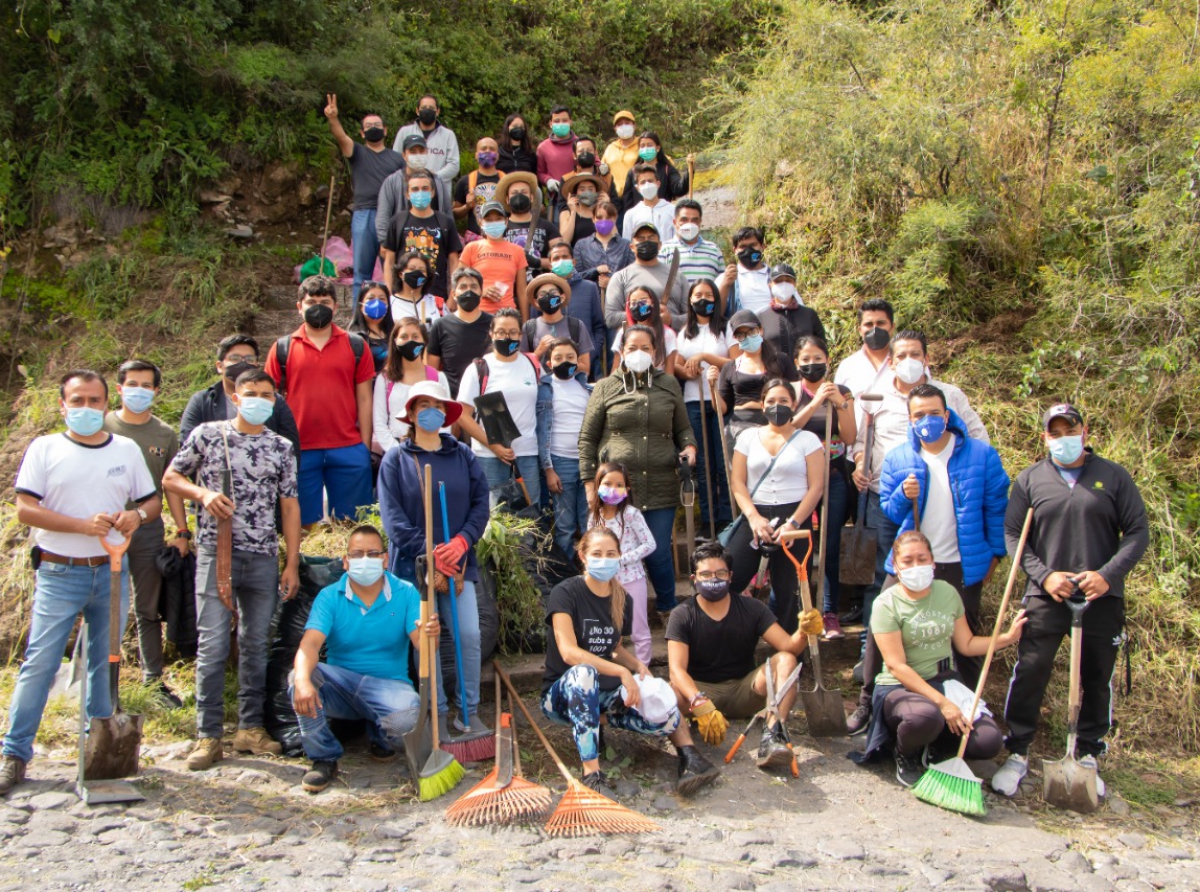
859, 720
852, 616
858, 673
381, 753
833, 629
773, 751
168, 697
908, 768
1007, 780
206, 753
12, 772
319, 777
1090, 762
595, 783
695, 771
256, 741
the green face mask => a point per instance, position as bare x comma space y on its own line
563, 268
561, 130
649, 153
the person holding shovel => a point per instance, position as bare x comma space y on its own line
73, 489
1089, 531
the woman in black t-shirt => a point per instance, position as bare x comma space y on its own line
589, 672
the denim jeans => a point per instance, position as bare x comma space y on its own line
660, 568
59, 594
390, 707
365, 245
839, 501
570, 505
886, 532
722, 501
498, 471
256, 593
344, 474
469, 640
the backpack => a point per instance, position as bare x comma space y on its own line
431, 374
482, 370
574, 330
357, 344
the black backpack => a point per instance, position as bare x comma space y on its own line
574, 330
357, 344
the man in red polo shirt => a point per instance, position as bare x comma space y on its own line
327, 374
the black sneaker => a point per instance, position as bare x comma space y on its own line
908, 768
851, 616
168, 697
595, 783
859, 720
695, 771
12, 772
773, 751
320, 776
381, 753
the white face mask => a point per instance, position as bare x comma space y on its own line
638, 361
625, 131
648, 191
910, 371
416, 162
687, 231
784, 292
918, 578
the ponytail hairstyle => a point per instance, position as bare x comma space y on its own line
615, 589
596, 518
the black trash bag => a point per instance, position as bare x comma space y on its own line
547, 566
489, 632
177, 604
287, 628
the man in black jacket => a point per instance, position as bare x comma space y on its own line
1089, 530
235, 354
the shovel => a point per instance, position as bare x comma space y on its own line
113, 743
496, 419
823, 708
857, 565
1066, 783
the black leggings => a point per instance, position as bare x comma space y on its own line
782, 571
917, 722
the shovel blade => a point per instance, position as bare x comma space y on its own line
1067, 784
418, 743
112, 747
101, 792
825, 713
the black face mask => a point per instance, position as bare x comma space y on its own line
749, 257
517, 133
520, 203
414, 278
704, 307
549, 303
505, 346
642, 312
468, 300
778, 414
427, 116
712, 589
410, 350
564, 371
646, 250
586, 159
877, 338
318, 316
373, 134
232, 372
813, 371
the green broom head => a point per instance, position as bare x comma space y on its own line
440, 775
953, 786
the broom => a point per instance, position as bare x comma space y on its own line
951, 784
581, 812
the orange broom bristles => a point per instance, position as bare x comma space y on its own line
584, 812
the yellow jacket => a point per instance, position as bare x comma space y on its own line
620, 160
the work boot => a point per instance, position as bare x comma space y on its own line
859, 720
320, 776
207, 752
164, 694
381, 753
595, 783
12, 772
833, 629
1090, 762
695, 771
1007, 781
773, 752
256, 741
908, 768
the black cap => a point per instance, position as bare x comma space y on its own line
782, 271
413, 139
1061, 410
744, 319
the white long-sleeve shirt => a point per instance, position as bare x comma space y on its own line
637, 542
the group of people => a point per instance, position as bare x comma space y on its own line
632, 366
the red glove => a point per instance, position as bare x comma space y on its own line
448, 556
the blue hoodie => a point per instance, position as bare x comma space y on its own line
978, 485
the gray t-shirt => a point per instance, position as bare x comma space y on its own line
369, 169
624, 281
560, 329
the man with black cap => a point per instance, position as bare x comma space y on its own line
1089, 530
788, 319
647, 271
394, 193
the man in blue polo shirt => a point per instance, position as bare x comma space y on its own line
365, 621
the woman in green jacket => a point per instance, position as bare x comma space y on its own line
637, 416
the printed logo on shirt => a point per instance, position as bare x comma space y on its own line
1098, 485
597, 636
116, 471
424, 240
156, 451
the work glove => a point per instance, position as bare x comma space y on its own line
552, 185
811, 623
448, 556
710, 722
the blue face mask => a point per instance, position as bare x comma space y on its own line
603, 569
84, 422
137, 399
420, 200
255, 410
930, 428
365, 570
751, 343
494, 229
431, 419
375, 308
1066, 450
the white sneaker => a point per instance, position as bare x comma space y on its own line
1008, 779
1090, 762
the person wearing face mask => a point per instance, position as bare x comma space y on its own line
371, 162
139, 383
443, 160
585, 305
261, 471
739, 384
236, 353
867, 370
556, 154
647, 271
637, 417
580, 194
395, 197
746, 285
419, 228
621, 155
479, 186
552, 296
698, 257
919, 624
600, 255
788, 320
401, 485
366, 623
563, 395
644, 309
516, 148
414, 300
590, 674
1089, 531
516, 192
711, 643
671, 185
649, 206
372, 321
405, 368
502, 263
72, 489
459, 338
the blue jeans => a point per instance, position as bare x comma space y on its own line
365, 244
839, 501
256, 593
390, 707
343, 473
570, 506
660, 569
498, 471
59, 594
469, 641
722, 510
886, 532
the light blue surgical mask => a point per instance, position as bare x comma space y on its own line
1066, 450
751, 343
420, 200
431, 419
365, 570
603, 569
563, 268
255, 410
495, 229
137, 399
84, 422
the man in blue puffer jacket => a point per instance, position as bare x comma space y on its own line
961, 491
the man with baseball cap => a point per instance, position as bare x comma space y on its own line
621, 155
394, 198
501, 263
1089, 530
647, 271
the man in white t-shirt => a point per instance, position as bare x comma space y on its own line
515, 374
72, 488
868, 370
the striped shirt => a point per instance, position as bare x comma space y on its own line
698, 261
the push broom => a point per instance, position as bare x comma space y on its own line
581, 812
951, 784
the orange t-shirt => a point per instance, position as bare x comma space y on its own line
499, 263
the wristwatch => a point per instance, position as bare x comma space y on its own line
795, 524
183, 534
142, 514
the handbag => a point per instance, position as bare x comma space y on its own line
441, 584
726, 535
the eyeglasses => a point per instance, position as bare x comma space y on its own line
708, 575
357, 555
251, 358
